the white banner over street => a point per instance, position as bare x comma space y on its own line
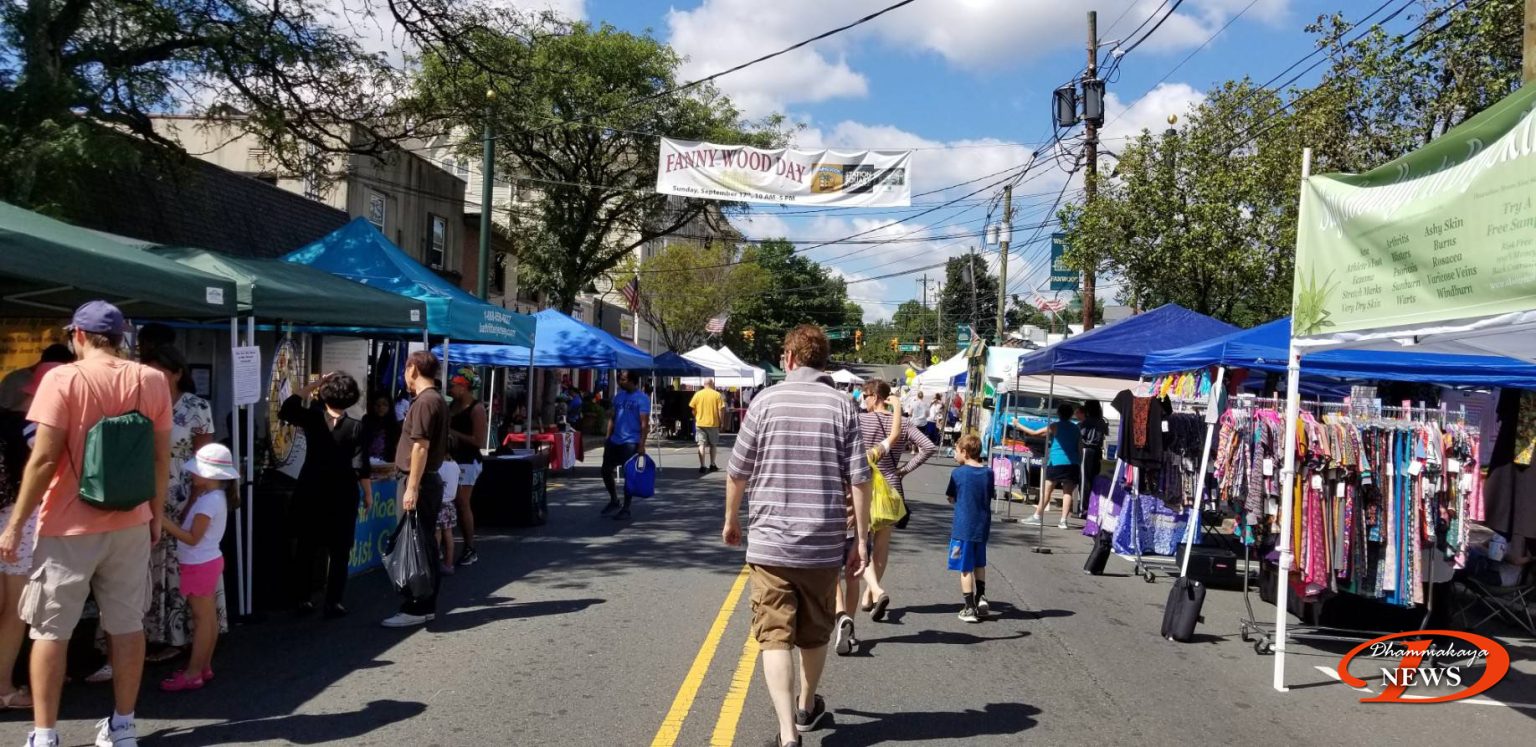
737, 173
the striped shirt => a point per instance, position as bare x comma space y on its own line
875, 426
798, 450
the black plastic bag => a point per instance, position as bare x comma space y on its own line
405, 561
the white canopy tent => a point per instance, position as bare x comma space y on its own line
759, 376
940, 376
845, 376
729, 374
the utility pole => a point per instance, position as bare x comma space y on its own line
1529, 71
924, 282
1091, 178
1005, 235
487, 163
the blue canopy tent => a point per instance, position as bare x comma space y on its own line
559, 342
358, 252
1119, 350
672, 364
1267, 347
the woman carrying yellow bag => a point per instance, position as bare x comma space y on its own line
881, 422
886, 509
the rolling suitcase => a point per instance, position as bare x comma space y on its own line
1099, 555
1213, 566
1182, 612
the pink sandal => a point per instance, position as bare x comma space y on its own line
179, 682
18, 699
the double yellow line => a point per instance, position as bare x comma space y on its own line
741, 681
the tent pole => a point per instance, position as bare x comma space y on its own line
1287, 481
235, 442
1045, 466
250, 481
1211, 418
528, 416
447, 341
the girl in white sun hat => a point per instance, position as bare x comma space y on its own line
213, 474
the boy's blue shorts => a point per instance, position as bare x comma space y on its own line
965, 557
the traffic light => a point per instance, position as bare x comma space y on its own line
895, 344
748, 335
858, 339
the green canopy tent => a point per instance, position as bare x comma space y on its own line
271, 289
51, 267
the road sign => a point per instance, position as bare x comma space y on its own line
1063, 277
837, 334
909, 347
962, 335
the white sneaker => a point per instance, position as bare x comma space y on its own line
844, 639
33, 741
1033, 521
406, 620
983, 608
1062, 524
120, 735
101, 675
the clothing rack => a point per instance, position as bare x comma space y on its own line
1361, 415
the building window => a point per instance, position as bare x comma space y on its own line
463, 169
437, 243
499, 276
376, 209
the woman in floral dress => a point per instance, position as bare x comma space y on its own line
167, 624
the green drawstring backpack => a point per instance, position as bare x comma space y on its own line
117, 470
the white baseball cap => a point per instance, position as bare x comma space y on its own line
213, 462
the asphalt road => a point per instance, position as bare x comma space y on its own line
590, 631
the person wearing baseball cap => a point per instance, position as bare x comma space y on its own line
88, 549
467, 425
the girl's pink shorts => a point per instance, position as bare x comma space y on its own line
201, 579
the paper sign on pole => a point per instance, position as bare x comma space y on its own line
348, 355
738, 173
247, 374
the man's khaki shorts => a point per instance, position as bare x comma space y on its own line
793, 607
65, 570
706, 436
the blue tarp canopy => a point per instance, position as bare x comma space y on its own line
1119, 350
672, 364
560, 342
1266, 347
358, 252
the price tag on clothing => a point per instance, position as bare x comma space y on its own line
1415, 467
1453, 466
1269, 467
1165, 426
1317, 482
1338, 491
1466, 482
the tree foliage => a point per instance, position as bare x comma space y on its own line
796, 291
688, 283
79, 74
578, 127
1205, 215
969, 296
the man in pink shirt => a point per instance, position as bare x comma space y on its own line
81, 548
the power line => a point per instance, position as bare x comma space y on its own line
1171, 10
1182, 62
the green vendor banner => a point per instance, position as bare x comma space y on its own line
1445, 233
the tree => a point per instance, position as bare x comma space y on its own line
79, 75
970, 294
797, 290
578, 125
1205, 215
695, 282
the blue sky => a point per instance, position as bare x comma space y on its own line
959, 80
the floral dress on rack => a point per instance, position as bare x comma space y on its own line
168, 621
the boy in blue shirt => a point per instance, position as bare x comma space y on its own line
970, 490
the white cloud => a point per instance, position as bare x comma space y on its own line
1150, 112
973, 34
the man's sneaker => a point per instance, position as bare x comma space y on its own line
445, 569
844, 641
713, 468
611, 507
808, 720
121, 734
703, 469
968, 614
470, 557
406, 620
622, 515
982, 608
1033, 521
35, 741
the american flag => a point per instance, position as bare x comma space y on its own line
1051, 305
716, 324
632, 293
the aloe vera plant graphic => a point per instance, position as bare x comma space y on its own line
1311, 313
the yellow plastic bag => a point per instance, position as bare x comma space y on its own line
885, 507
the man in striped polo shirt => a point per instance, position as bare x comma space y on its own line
796, 457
